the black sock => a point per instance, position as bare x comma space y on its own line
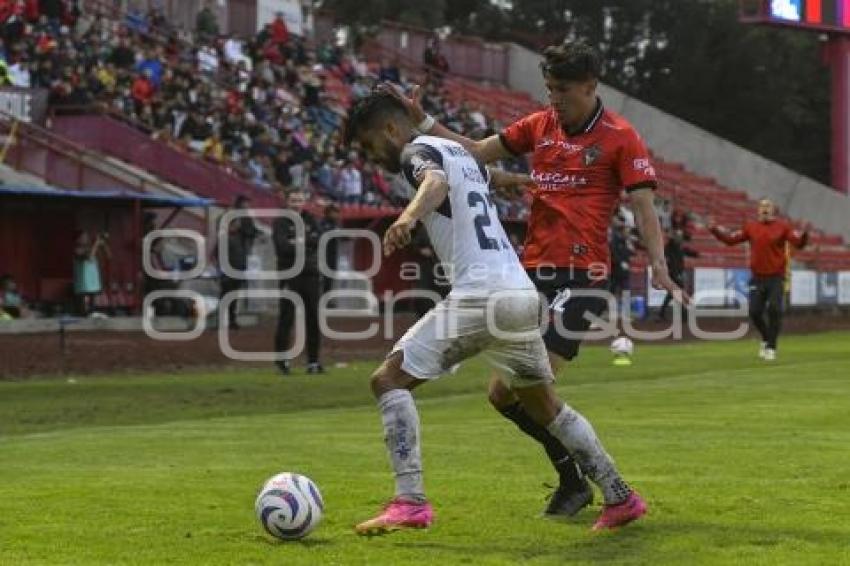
567, 470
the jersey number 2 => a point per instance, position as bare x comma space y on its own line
482, 220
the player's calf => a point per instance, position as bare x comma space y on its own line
578, 436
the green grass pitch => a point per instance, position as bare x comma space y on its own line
741, 463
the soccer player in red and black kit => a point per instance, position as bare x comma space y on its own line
583, 156
768, 238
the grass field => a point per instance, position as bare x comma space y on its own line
741, 463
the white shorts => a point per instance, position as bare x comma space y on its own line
505, 326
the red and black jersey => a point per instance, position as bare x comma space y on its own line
768, 254
578, 179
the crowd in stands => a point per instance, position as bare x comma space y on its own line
259, 108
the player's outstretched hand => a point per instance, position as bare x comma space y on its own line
398, 235
661, 280
413, 103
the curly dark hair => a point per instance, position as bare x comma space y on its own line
571, 61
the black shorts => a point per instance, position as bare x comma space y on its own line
558, 286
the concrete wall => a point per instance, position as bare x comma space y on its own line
705, 154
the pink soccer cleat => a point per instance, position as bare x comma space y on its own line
398, 514
613, 516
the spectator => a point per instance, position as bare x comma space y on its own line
53, 11
122, 56
350, 184
19, 73
143, 90
107, 76
206, 23
152, 67
136, 19
389, 72
31, 10
5, 79
11, 301
257, 171
662, 207
87, 280
279, 31
429, 56
208, 60
326, 176
213, 149
299, 174
233, 51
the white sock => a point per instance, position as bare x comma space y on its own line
578, 436
401, 435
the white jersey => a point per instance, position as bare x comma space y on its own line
465, 229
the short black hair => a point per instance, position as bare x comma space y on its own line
368, 110
571, 61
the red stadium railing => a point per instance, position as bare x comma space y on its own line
110, 136
62, 163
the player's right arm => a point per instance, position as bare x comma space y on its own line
729, 238
485, 151
422, 166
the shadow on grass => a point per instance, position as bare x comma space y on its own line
645, 542
305, 543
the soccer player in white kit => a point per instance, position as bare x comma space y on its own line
493, 308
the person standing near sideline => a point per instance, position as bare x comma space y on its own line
241, 234
307, 284
676, 251
87, 279
330, 221
767, 236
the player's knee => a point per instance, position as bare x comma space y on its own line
389, 376
500, 395
380, 382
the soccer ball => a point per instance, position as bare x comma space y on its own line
289, 506
622, 348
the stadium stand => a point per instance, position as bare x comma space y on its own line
135, 103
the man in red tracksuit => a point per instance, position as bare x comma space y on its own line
768, 260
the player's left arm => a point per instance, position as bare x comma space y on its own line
797, 239
652, 238
638, 176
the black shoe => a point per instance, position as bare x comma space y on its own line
315, 367
566, 501
283, 366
